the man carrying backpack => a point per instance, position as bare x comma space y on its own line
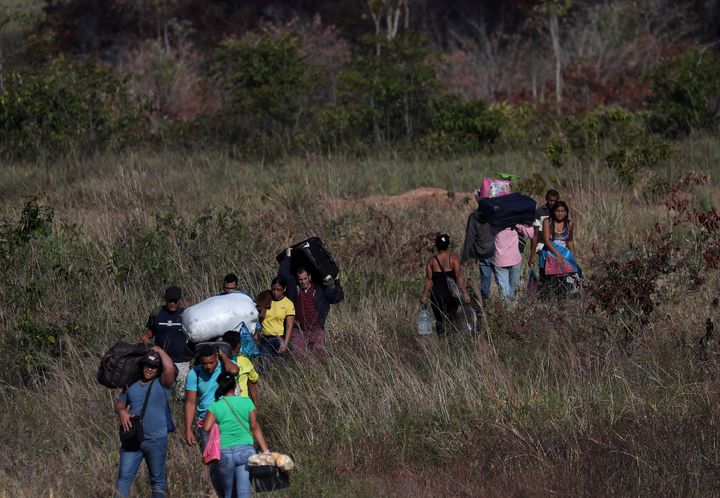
165, 325
141, 410
480, 245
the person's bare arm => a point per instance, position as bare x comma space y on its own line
257, 431
427, 284
252, 392
548, 241
533, 247
571, 239
457, 267
228, 364
209, 421
190, 405
167, 378
289, 324
146, 336
123, 414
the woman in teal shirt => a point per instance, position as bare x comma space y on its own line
237, 421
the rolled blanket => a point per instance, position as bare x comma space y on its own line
564, 252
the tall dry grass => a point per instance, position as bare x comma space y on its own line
548, 398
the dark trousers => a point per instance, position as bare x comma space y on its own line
444, 309
269, 346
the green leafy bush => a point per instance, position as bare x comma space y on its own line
461, 127
35, 221
685, 94
269, 83
390, 85
64, 107
557, 153
588, 133
633, 155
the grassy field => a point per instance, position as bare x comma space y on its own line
573, 397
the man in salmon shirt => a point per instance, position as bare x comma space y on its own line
507, 259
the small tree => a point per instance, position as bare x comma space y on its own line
685, 94
268, 83
458, 127
64, 107
392, 90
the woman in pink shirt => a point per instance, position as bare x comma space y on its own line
507, 259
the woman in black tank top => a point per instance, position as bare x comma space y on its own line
438, 269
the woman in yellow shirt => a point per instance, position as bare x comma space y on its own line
278, 323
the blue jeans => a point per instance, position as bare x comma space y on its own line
154, 451
215, 477
486, 272
508, 279
269, 346
233, 468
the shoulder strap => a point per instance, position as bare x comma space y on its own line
440, 265
147, 397
236, 416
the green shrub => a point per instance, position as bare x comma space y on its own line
458, 127
588, 133
390, 85
633, 155
557, 153
35, 221
335, 127
269, 83
685, 94
64, 107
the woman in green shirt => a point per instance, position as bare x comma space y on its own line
237, 421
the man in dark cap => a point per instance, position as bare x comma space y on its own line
165, 325
148, 400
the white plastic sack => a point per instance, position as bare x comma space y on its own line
216, 315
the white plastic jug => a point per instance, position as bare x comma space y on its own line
424, 321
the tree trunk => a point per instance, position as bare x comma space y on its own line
555, 37
3, 22
375, 124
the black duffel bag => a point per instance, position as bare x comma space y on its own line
508, 210
268, 478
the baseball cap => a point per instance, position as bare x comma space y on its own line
173, 293
151, 359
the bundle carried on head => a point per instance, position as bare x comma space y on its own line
507, 210
216, 315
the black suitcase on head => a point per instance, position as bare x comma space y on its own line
508, 210
312, 255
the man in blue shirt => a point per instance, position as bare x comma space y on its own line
200, 387
158, 376
165, 325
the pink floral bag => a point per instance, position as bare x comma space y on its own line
555, 268
211, 453
493, 187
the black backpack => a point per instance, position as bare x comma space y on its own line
120, 366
